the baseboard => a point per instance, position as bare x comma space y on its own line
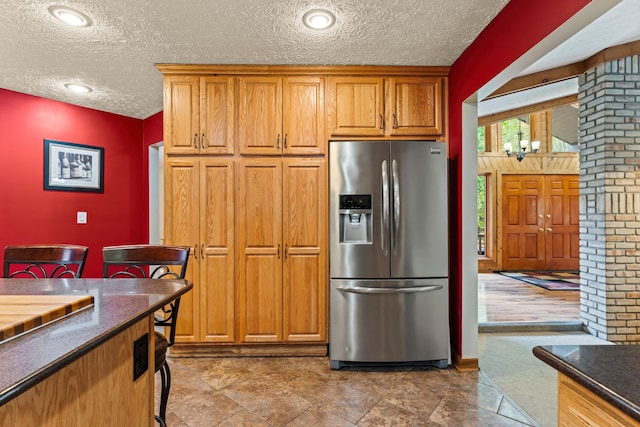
248, 350
465, 365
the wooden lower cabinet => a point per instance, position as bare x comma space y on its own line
257, 229
199, 212
281, 237
577, 406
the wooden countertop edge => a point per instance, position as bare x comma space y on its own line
41, 374
630, 408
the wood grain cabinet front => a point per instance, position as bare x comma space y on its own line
281, 283
281, 115
199, 114
199, 212
386, 107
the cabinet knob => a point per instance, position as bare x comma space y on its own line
202, 251
278, 142
541, 229
278, 251
202, 140
195, 141
195, 251
381, 122
286, 248
395, 121
549, 230
285, 140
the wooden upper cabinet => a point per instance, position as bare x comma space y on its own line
303, 115
356, 106
260, 115
386, 107
281, 115
199, 115
415, 106
217, 113
181, 114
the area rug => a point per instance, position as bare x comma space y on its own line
551, 280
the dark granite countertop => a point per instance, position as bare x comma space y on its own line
118, 303
608, 371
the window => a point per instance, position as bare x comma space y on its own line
482, 139
564, 128
482, 215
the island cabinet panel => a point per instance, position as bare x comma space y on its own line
281, 115
96, 389
577, 406
199, 114
387, 107
199, 212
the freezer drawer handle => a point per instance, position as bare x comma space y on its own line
366, 290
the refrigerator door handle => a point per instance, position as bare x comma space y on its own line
367, 290
384, 228
395, 186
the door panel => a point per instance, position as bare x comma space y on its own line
259, 234
419, 200
540, 221
523, 242
562, 225
217, 250
356, 167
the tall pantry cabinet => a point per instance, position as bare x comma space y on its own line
246, 187
251, 204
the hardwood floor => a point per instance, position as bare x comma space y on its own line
502, 299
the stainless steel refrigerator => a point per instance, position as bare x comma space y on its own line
388, 224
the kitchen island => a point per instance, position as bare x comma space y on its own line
79, 369
597, 384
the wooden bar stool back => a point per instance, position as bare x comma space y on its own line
156, 262
44, 261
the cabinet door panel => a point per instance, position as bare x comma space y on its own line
217, 250
259, 237
260, 120
181, 114
181, 228
217, 115
356, 106
304, 228
415, 106
303, 109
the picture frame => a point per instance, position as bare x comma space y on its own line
73, 167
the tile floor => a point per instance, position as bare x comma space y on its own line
303, 391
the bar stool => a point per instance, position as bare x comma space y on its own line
44, 261
152, 261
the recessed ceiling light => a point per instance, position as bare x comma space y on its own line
78, 87
70, 16
319, 19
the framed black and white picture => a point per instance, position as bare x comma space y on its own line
73, 167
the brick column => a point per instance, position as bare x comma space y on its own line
609, 129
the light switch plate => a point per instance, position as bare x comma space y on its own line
82, 218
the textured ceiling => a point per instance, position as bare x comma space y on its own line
116, 55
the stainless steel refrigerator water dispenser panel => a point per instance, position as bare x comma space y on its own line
355, 219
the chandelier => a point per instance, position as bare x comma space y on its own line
523, 145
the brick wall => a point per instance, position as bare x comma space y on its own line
609, 126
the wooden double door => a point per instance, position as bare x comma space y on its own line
540, 222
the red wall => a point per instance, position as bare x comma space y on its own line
29, 214
515, 30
